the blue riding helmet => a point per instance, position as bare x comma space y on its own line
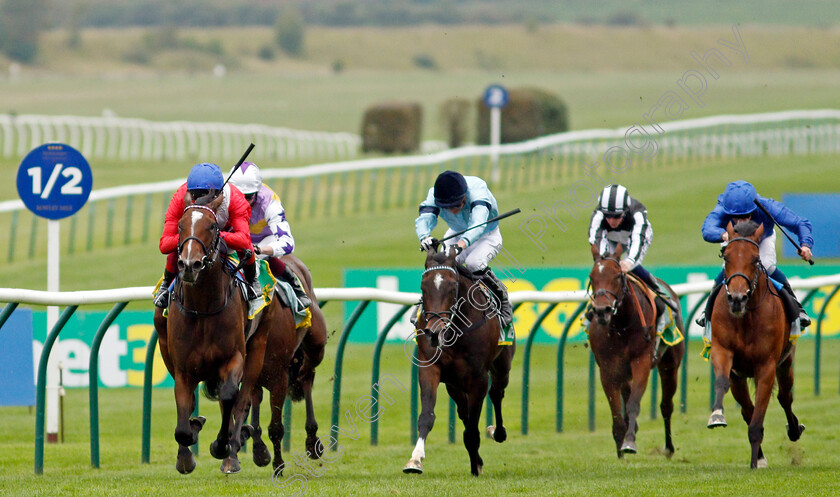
450, 189
738, 199
205, 176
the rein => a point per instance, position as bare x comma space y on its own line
618, 299
450, 312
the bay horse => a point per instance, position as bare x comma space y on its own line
203, 337
751, 339
289, 368
622, 337
458, 345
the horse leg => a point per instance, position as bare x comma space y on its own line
313, 348
722, 365
276, 430
668, 372
641, 371
500, 375
261, 455
186, 431
472, 435
429, 381
741, 394
765, 377
231, 373
784, 375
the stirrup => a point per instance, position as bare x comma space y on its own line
804, 320
701, 321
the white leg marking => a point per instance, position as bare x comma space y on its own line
419, 450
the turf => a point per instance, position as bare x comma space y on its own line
575, 462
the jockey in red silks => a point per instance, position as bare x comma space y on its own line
233, 215
270, 231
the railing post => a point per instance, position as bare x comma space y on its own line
41, 388
339, 358
377, 353
147, 398
7, 312
415, 387
561, 349
93, 382
591, 390
818, 340
526, 364
684, 379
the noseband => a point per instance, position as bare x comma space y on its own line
209, 254
753, 282
617, 299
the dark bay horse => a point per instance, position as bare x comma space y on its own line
203, 337
622, 337
457, 344
750, 339
289, 367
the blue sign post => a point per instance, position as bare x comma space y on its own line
54, 181
495, 97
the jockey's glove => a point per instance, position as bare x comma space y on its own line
428, 243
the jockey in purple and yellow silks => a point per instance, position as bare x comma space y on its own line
270, 231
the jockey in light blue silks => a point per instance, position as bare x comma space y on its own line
737, 203
463, 202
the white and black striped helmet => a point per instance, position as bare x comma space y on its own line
614, 200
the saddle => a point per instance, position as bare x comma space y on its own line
669, 333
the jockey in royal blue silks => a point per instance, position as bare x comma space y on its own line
463, 202
737, 203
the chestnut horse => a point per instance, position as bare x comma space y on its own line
458, 344
751, 339
203, 337
282, 374
622, 337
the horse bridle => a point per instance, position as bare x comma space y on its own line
617, 299
440, 315
214, 244
753, 282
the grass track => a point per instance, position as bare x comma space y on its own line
576, 462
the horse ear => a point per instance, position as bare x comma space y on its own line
216, 203
730, 228
619, 248
188, 200
596, 254
452, 253
758, 232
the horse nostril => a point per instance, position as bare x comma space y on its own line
196, 266
181, 265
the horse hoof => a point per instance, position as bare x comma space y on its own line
629, 448
413, 467
794, 435
717, 419
261, 455
246, 433
197, 423
762, 463
185, 465
230, 466
668, 452
216, 452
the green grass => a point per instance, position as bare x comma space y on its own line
575, 462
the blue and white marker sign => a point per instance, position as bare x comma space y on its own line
54, 181
495, 96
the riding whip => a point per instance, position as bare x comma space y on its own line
238, 164
798, 248
497, 218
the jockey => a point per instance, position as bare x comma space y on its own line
737, 203
622, 220
464, 202
270, 230
206, 179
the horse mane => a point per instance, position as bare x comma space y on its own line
442, 258
204, 200
746, 228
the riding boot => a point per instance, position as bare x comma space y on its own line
495, 285
163, 294
254, 290
707, 312
795, 305
290, 277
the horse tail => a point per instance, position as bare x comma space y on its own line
210, 388
295, 384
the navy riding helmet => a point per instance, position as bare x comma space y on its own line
739, 199
450, 189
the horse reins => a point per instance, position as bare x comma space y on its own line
618, 299
450, 312
753, 282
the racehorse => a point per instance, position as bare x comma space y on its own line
282, 373
622, 337
458, 344
203, 337
751, 339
